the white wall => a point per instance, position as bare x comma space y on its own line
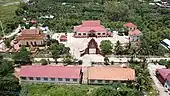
50, 81
24, 42
103, 82
101, 33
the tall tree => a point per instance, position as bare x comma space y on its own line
118, 48
106, 47
9, 85
58, 49
116, 10
22, 57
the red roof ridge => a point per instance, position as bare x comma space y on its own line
129, 24
91, 23
135, 32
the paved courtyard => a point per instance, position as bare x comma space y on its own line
78, 44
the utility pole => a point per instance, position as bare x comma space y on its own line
2, 29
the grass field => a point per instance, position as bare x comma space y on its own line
7, 13
2, 2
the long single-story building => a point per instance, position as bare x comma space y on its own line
50, 74
109, 75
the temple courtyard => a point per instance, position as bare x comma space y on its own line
78, 44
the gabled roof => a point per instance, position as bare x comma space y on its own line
134, 32
130, 25
90, 25
111, 73
50, 71
30, 31
31, 34
164, 73
63, 37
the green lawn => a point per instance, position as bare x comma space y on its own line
8, 18
56, 90
7, 12
2, 2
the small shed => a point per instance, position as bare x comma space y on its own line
63, 38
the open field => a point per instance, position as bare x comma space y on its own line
3, 2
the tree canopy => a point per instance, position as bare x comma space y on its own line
9, 85
106, 46
58, 49
22, 57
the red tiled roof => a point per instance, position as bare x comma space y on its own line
30, 31
89, 25
31, 34
31, 37
164, 73
50, 71
111, 73
130, 25
63, 37
134, 32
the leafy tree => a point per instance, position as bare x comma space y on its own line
8, 82
115, 90
166, 63
44, 62
116, 10
118, 48
58, 49
106, 46
7, 43
68, 59
22, 57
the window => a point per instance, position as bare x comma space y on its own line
27, 43
35, 43
31, 78
38, 78
60, 79
98, 33
103, 33
52, 79
91, 81
99, 81
23, 78
67, 79
31, 43
75, 80
107, 81
46, 79
84, 33
79, 33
